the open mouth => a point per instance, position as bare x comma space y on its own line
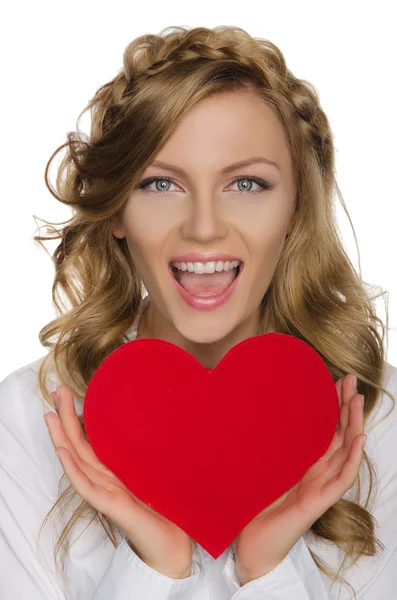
206, 284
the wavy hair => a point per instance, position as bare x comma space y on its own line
315, 293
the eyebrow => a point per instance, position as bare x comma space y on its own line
225, 170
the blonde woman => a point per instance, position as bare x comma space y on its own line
203, 215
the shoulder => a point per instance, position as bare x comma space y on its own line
26, 450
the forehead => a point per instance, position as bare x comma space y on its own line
223, 129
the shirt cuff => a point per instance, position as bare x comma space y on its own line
127, 576
297, 577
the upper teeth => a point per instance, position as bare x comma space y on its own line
207, 267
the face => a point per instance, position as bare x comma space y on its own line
205, 209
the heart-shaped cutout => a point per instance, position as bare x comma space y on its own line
211, 448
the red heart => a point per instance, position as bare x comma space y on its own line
210, 449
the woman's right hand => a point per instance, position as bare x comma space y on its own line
160, 543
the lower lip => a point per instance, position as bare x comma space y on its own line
206, 302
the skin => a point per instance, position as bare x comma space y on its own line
206, 211
267, 540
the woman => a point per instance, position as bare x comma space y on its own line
208, 163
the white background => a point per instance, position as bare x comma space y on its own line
55, 55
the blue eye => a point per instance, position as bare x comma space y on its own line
264, 185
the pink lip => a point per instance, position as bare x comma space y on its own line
204, 257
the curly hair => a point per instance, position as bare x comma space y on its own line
315, 293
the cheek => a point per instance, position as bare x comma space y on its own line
151, 219
264, 251
265, 241
146, 229
265, 220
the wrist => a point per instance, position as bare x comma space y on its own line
245, 576
173, 573
183, 574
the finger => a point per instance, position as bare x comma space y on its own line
74, 430
356, 421
59, 437
346, 391
338, 485
67, 413
338, 386
341, 389
355, 427
337, 441
83, 485
62, 443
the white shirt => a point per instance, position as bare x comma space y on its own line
29, 475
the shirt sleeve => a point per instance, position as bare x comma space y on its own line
372, 577
29, 477
297, 577
129, 577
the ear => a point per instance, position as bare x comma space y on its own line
117, 228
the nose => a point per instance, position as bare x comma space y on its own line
204, 220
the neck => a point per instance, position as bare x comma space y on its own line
207, 354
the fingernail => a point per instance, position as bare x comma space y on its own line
355, 383
362, 402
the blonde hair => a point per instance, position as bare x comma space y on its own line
315, 294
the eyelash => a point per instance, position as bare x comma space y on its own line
263, 184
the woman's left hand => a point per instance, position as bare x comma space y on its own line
269, 537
